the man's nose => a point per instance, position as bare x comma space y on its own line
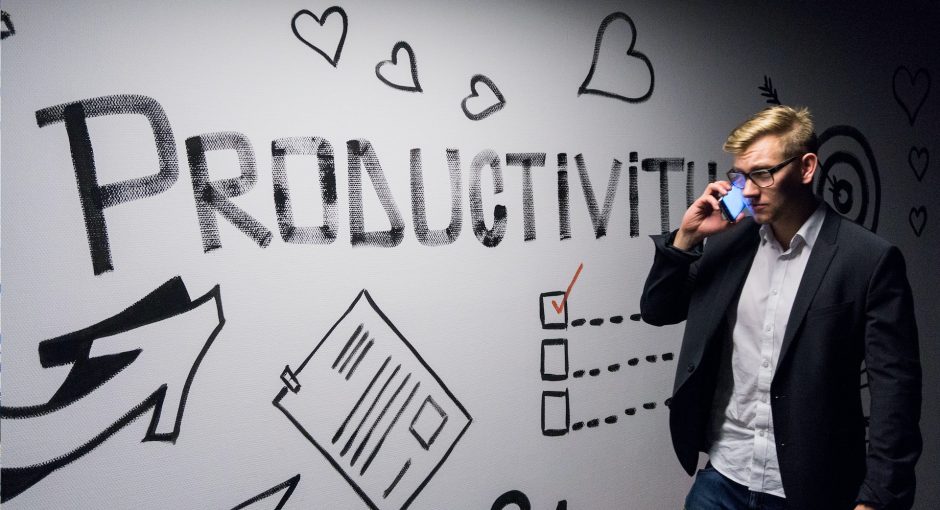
751, 189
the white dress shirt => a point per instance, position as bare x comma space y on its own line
742, 431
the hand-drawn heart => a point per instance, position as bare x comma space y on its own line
918, 159
8, 29
910, 91
501, 101
321, 20
631, 52
918, 219
414, 86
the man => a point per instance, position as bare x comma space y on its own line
782, 308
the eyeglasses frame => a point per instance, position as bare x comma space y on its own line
770, 171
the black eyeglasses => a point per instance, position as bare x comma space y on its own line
763, 177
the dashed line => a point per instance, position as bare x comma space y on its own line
612, 419
599, 321
594, 372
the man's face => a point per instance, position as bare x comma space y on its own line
770, 203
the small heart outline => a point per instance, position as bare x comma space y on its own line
921, 153
321, 20
416, 85
917, 212
477, 78
912, 79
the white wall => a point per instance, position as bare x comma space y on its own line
469, 313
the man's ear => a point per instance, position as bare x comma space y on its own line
808, 165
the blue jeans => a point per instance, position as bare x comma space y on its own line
714, 491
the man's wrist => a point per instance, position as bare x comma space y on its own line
684, 242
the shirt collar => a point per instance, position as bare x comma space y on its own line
807, 233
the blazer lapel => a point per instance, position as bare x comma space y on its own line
813, 275
732, 277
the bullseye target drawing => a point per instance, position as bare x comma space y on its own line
847, 177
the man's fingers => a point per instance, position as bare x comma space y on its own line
718, 187
712, 201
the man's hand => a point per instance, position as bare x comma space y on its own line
703, 218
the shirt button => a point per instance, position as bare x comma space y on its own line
765, 364
767, 328
774, 292
691, 367
761, 433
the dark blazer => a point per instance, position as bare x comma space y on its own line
853, 304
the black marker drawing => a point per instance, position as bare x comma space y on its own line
213, 196
851, 187
593, 423
527, 160
97, 356
287, 486
513, 497
517, 500
8, 29
556, 413
414, 86
334, 60
634, 197
360, 153
489, 110
911, 90
564, 209
488, 237
549, 317
554, 365
768, 91
394, 401
918, 159
310, 146
439, 237
599, 219
631, 52
664, 166
594, 372
94, 197
918, 219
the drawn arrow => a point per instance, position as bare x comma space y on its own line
98, 354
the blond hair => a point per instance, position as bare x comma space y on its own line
793, 125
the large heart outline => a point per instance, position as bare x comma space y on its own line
921, 213
631, 52
912, 81
477, 78
921, 154
415, 85
321, 20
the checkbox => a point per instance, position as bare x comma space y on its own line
554, 359
556, 414
551, 319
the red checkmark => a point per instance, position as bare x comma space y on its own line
564, 299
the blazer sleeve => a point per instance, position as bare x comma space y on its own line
668, 287
894, 376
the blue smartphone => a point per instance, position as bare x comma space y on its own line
733, 203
